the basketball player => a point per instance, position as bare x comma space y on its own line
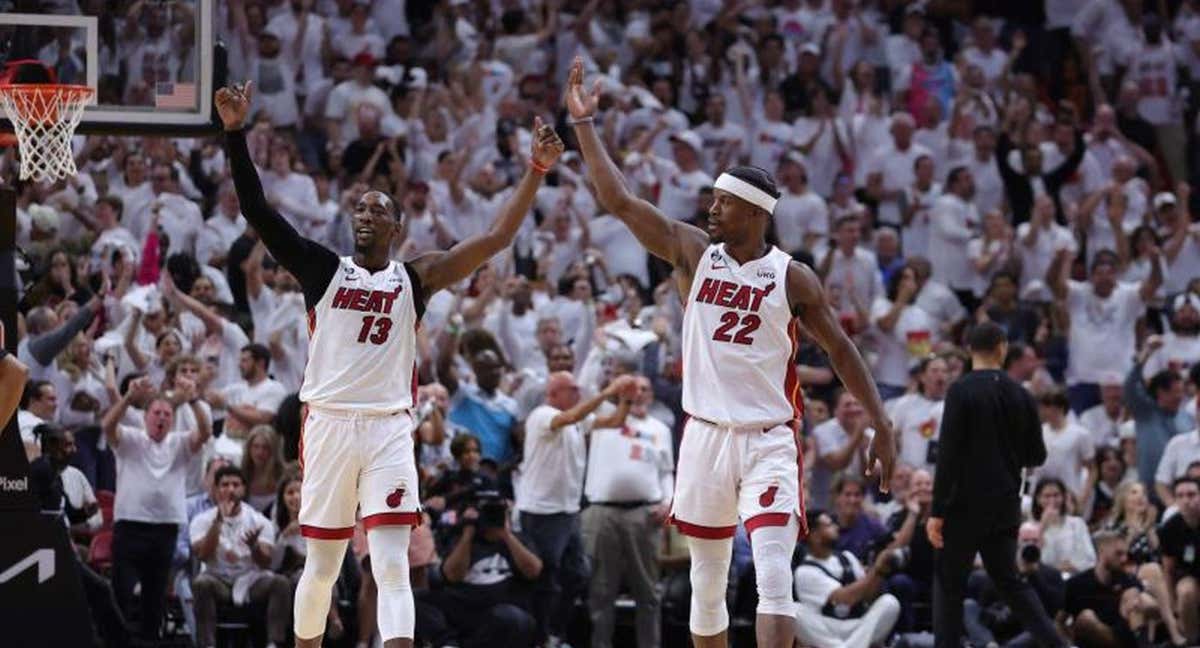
356, 447
745, 302
13, 375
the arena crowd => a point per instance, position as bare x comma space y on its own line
940, 163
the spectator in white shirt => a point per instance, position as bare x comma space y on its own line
849, 266
955, 222
254, 399
1103, 314
39, 404
1180, 349
551, 487
234, 543
150, 503
225, 226
917, 207
344, 99
177, 217
1069, 448
361, 37
840, 445
722, 140
630, 478
801, 217
132, 187
918, 416
903, 332
1180, 456
1038, 240
1066, 543
113, 236
681, 180
893, 164
991, 251
1103, 421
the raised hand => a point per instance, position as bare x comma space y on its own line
580, 103
546, 145
233, 104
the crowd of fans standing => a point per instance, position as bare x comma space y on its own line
941, 163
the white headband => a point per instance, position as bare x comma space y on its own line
746, 191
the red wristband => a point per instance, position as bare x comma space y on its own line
537, 168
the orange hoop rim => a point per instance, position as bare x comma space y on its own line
47, 88
67, 93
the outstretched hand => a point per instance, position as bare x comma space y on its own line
580, 103
546, 146
233, 104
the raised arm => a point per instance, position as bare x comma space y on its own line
13, 375
438, 270
808, 301
677, 243
312, 264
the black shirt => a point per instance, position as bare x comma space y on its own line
1181, 542
493, 577
990, 430
1086, 592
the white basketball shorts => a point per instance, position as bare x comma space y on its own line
351, 461
726, 473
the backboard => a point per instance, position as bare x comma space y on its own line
153, 63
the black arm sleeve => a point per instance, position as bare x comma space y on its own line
313, 264
44, 348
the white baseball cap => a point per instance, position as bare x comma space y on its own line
690, 138
1163, 199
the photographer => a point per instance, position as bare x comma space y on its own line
489, 578
988, 619
840, 605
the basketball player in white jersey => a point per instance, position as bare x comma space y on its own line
745, 304
356, 446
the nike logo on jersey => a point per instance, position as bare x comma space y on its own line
366, 301
731, 295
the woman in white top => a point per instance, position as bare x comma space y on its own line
80, 381
262, 464
167, 346
1066, 543
904, 333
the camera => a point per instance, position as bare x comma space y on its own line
492, 509
1031, 553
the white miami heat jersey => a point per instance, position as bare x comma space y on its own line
362, 350
738, 342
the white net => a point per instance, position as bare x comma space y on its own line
44, 118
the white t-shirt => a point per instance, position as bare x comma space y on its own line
830, 437
918, 420
991, 63
343, 103
716, 139
622, 252
679, 191
217, 236
1067, 450
1102, 336
814, 585
896, 168
915, 236
266, 395
1185, 267
797, 216
770, 141
955, 222
1152, 67
1103, 429
1036, 258
910, 339
553, 467
632, 463
151, 477
233, 556
1180, 452
858, 274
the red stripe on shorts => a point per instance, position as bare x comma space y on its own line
324, 533
704, 532
412, 518
767, 520
303, 420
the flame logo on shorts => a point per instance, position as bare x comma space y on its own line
768, 497
395, 497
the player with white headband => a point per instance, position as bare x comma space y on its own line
746, 303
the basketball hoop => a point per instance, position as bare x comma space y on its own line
44, 116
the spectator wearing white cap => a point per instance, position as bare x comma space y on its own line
801, 217
1180, 349
1103, 421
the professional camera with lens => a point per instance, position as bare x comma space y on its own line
1031, 553
492, 509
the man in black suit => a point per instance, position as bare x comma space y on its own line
990, 431
1022, 185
